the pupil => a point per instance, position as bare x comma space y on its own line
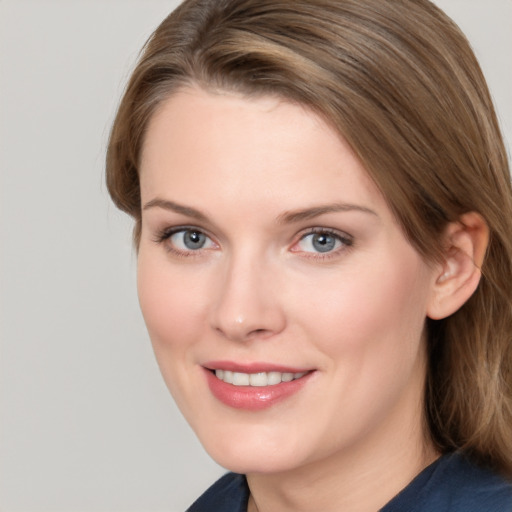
194, 239
323, 243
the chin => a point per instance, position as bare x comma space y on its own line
246, 453
254, 462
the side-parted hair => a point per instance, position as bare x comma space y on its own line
398, 80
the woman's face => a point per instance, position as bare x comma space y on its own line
267, 254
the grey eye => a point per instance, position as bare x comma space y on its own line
323, 242
320, 242
194, 240
190, 240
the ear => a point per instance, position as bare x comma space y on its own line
458, 275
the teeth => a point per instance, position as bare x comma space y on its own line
256, 379
273, 378
240, 379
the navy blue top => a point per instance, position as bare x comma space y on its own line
450, 484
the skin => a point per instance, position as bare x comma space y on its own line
258, 290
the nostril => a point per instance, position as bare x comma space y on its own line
244, 320
259, 333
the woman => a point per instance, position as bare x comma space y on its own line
323, 218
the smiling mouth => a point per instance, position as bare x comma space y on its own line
254, 389
260, 379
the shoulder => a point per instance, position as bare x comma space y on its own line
228, 494
454, 484
471, 487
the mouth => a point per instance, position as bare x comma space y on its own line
259, 379
254, 387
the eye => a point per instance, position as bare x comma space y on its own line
189, 240
185, 240
322, 242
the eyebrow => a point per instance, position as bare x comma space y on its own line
289, 217
175, 207
316, 211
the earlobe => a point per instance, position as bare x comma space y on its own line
459, 274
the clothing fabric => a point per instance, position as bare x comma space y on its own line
451, 484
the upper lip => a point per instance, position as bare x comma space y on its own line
255, 367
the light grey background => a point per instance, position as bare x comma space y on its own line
86, 423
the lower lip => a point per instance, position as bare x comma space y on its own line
253, 398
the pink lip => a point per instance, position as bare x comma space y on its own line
252, 398
252, 367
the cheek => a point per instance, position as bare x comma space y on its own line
369, 330
376, 310
170, 303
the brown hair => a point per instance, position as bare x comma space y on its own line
399, 82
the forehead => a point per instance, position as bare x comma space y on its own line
220, 119
203, 146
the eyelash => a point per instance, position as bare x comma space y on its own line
165, 234
346, 241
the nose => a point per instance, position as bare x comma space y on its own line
247, 305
